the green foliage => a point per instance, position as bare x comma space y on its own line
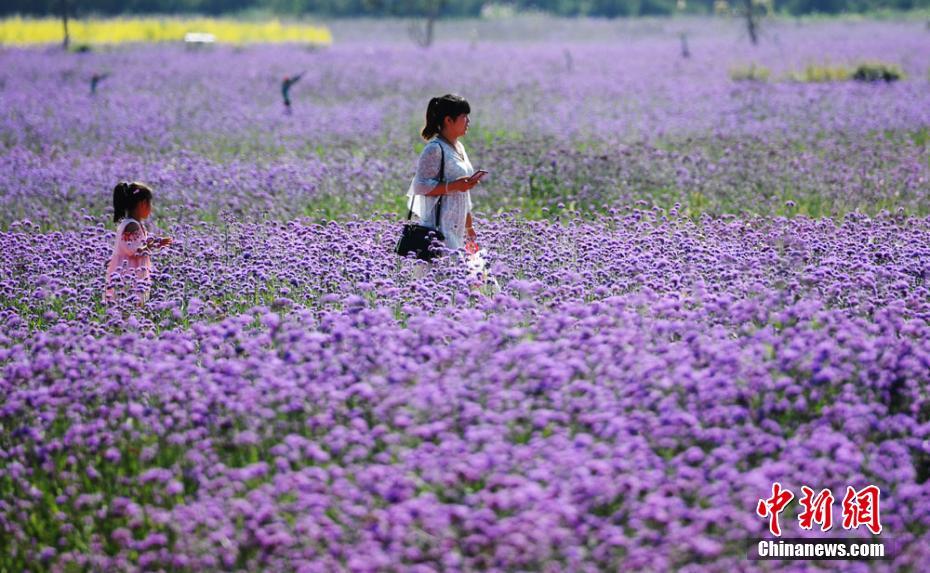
865, 72
752, 72
877, 72
814, 73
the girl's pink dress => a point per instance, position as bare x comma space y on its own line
127, 265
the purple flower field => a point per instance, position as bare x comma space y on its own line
707, 286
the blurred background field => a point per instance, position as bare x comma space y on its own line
581, 115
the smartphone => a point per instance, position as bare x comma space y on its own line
477, 175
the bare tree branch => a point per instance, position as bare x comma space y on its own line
423, 33
752, 24
65, 8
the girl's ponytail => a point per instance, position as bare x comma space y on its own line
120, 201
126, 196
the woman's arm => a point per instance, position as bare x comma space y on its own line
459, 185
426, 182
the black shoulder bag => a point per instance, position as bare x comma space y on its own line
417, 238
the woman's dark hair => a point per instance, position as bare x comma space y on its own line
126, 195
439, 109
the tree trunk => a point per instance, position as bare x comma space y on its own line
423, 35
430, 22
64, 22
751, 24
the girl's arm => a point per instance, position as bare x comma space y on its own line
135, 244
469, 229
133, 241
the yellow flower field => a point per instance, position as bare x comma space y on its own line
26, 31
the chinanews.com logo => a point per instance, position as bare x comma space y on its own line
861, 508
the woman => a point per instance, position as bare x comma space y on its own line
446, 121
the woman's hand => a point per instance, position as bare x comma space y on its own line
462, 184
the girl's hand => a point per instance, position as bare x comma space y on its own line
165, 242
471, 240
146, 246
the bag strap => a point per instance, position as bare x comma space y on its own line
442, 177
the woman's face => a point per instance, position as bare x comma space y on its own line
457, 126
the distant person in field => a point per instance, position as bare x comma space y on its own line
131, 262
286, 84
446, 122
95, 81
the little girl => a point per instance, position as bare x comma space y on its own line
131, 261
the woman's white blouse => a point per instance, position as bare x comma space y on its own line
455, 206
